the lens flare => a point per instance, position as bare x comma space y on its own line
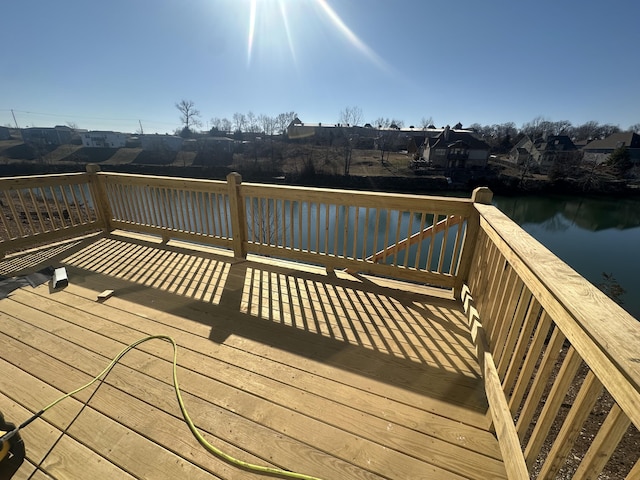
285, 21
267, 13
352, 37
252, 29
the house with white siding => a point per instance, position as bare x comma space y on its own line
104, 139
544, 152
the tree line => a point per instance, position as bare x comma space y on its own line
500, 137
240, 122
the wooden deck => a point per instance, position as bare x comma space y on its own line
330, 375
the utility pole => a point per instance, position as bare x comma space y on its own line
141, 130
14, 119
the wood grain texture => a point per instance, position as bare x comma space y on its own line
604, 335
331, 375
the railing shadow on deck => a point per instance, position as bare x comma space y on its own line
408, 340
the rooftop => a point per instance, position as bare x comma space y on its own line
615, 140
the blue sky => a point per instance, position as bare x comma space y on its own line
108, 64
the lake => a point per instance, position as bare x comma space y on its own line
595, 236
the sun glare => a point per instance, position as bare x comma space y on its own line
252, 29
285, 20
348, 33
265, 10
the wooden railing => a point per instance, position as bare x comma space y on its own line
188, 209
541, 330
403, 236
410, 237
41, 209
551, 346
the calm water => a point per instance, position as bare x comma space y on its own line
593, 236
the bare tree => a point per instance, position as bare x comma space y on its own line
239, 122
381, 122
216, 123
350, 116
635, 128
540, 127
283, 120
587, 131
426, 122
252, 122
385, 141
608, 129
189, 114
537, 128
266, 123
562, 127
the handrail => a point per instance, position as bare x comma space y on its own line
345, 229
411, 237
189, 209
531, 306
513, 457
449, 221
44, 208
585, 314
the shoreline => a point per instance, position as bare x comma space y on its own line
500, 184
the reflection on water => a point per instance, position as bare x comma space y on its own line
559, 213
593, 235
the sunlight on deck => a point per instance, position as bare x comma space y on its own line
385, 376
150, 265
401, 324
385, 321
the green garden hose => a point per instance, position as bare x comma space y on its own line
196, 433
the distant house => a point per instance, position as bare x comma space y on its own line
5, 133
297, 129
520, 155
58, 135
367, 136
543, 152
171, 143
598, 151
455, 149
107, 139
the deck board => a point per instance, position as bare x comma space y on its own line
330, 375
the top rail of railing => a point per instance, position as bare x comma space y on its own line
421, 238
43, 208
414, 237
547, 328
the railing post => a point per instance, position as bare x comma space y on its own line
238, 216
100, 199
480, 195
